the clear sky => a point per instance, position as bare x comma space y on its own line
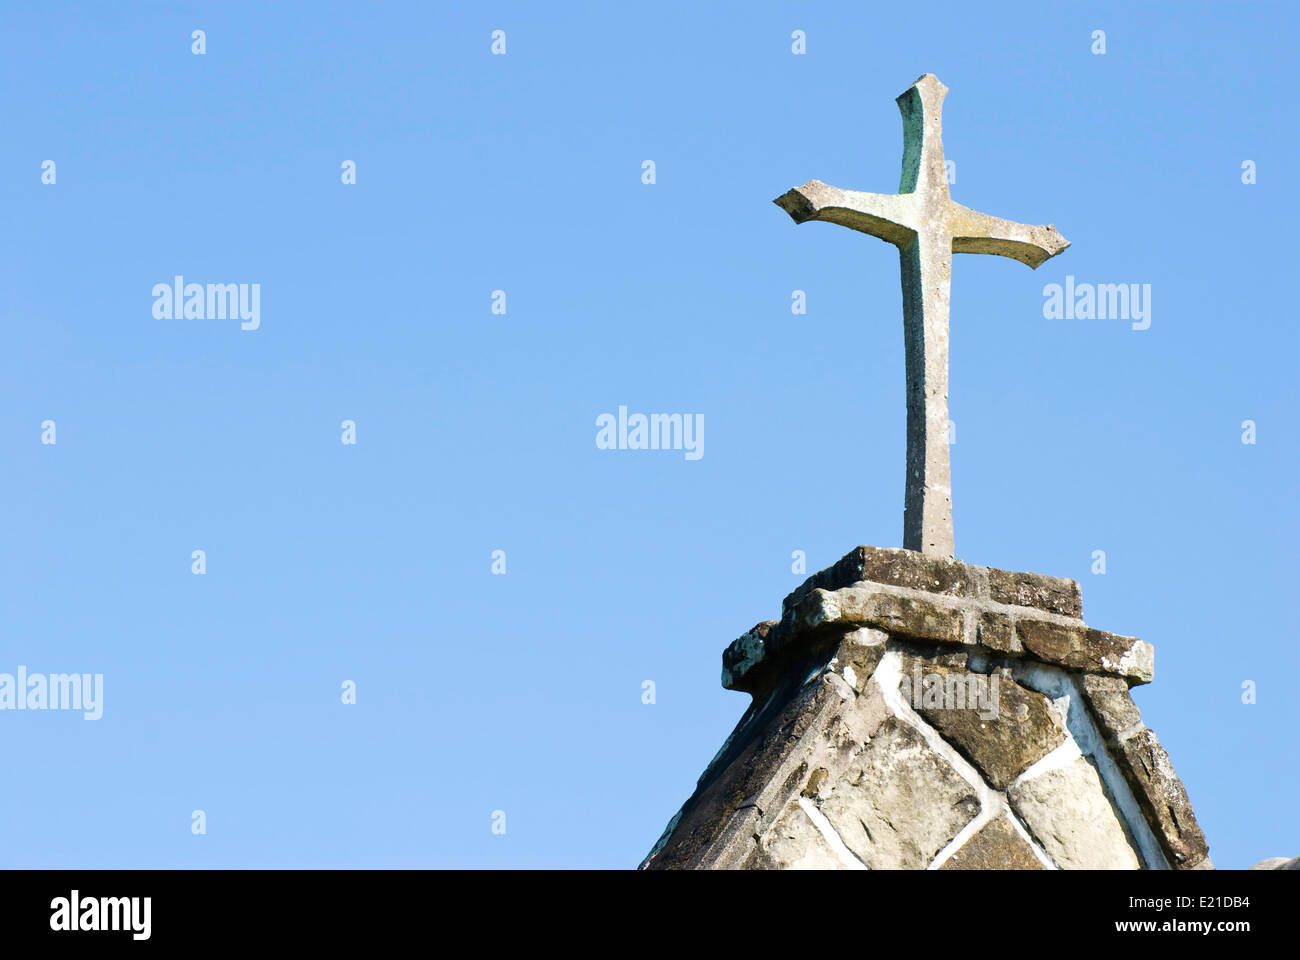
475, 431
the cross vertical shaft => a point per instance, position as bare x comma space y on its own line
927, 501
926, 272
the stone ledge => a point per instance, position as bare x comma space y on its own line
943, 576
752, 661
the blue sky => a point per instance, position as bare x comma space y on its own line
475, 431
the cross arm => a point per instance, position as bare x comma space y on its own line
975, 232
887, 216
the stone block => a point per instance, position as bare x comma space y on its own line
858, 653
1109, 700
868, 606
1069, 814
895, 567
1163, 799
1051, 594
901, 802
1050, 641
995, 846
744, 654
795, 843
995, 632
1113, 653
1003, 735
1073, 645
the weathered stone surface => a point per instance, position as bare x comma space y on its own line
1068, 813
931, 598
1163, 799
995, 846
994, 631
1127, 656
866, 604
815, 782
1053, 594
1050, 641
794, 843
1109, 699
942, 576
760, 659
900, 803
735, 843
912, 617
744, 654
924, 657
1074, 645
858, 653
1278, 863
1002, 734
858, 722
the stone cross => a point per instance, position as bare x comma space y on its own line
928, 228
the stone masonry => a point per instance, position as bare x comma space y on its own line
917, 712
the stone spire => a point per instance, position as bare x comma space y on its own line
919, 712
913, 711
